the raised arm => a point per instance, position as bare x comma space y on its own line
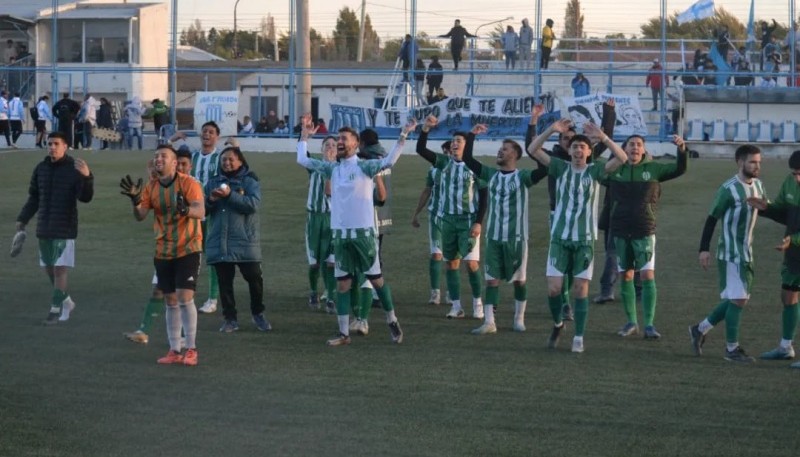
619, 157
422, 141
681, 163
308, 130
469, 160
535, 148
607, 125
394, 154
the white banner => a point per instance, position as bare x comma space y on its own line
220, 107
589, 108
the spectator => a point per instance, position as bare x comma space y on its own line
272, 121
771, 65
247, 127
656, 82
10, 52
547, 43
88, 119
160, 115
408, 49
709, 74
700, 57
282, 128
262, 126
741, 64
299, 127
133, 114
440, 95
510, 42
434, 77
457, 35
766, 38
122, 52
580, 85
419, 79
5, 125
322, 129
104, 119
43, 114
525, 42
66, 109
723, 42
16, 114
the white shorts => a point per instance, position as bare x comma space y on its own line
434, 235
66, 258
736, 286
475, 253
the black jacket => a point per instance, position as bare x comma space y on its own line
458, 36
54, 192
104, 119
66, 109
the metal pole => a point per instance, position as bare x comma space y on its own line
537, 73
54, 45
292, 7
662, 112
792, 45
173, 64
361, 28
235, 41
303, 48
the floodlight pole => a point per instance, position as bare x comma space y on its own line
235, 41
173, 64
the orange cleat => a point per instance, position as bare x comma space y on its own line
173, 357
190, 358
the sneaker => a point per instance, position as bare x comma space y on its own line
209, 306
313, 300
229, 326
738, 355
324, 297
52, 318
566, 313
137, 337
698, 339
262, 324
67, 306
603, 299
650, 333
170, 358
353, 325
577, 345
555, 334
339, 340
436, 297
779, 353
485, 329
396, 331
628, 329
477, 308
330, 307
519, 326
362, 328
17, 242
455, 314
190, 358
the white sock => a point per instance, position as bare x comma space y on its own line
456, 304
390, 317
173, 318
488, 314
731, 346
189, 320
704, 326
519, 310
477, 302
786, 344
344, 324
578, 338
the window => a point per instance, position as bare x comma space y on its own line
70, 44
96, 41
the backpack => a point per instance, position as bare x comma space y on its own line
34, 113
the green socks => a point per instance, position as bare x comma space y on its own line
789, 320
435, 273
719, 312
453, 284
330, 282
385, 296
554, 303
58, 299
649, 295
521, 292
581, 314
492, 295
313, 278
732, 317
565, 287
628, 293
343, 303
213, 284
153, 308
364, 303
475, 283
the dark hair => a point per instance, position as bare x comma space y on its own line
169, 147
571, 128
237, 152
581, 138
58, 135
746, 150
517, 148
16, 94
446, 145
549, 22
212, 124
460, 133
329, 137
794, 160
581, 109
369, 137
632, 137
351, 131
184, 151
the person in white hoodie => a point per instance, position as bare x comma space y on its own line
133, 113
88, 117
44, 114
4, 125
16, 113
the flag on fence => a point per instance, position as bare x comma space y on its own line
700, 10
751, 25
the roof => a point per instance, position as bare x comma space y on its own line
193, 54
95, 13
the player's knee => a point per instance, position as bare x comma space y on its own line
473, 265
436, 256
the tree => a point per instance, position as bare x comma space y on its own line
372, 42
700, 30
213, 38
573, 29
345, 36
194, 35
427, 47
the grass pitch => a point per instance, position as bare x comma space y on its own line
80, 389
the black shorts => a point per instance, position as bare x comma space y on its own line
180, 273
41, 126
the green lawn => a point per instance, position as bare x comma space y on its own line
80, 389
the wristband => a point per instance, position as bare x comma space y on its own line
403, 136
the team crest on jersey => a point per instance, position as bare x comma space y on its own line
789, 197
646, 176
512, 186
586, 181
466, 174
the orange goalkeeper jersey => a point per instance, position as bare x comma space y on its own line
176, 235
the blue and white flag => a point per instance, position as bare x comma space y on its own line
751, 25
700, 10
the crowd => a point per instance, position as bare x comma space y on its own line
206, 201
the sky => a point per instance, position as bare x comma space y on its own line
390, 18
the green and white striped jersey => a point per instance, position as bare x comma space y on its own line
737, 217
205, 167
576, 212
457, 188
508, 203
432, 181
318, 201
